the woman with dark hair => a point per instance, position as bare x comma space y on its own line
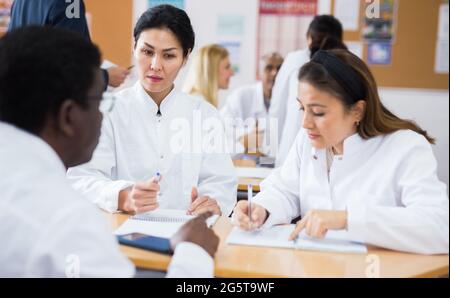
355, 166
325, 32
148, 134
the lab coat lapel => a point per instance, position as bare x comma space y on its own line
322, 195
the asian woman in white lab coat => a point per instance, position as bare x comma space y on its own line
154, 148
354, 166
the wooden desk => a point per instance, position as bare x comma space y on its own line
244, 181
245, 261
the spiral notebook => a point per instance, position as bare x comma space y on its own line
277, 236
160, 223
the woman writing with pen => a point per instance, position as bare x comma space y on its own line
149, 131
355, 166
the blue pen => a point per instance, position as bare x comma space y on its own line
249, 199
157, 177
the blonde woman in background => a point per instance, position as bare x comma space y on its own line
210, 71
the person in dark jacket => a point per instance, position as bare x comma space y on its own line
69, 15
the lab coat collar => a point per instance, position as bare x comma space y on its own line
353, 146
146, 99
35, 144
259, 107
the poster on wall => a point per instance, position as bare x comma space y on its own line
356, 47
230, 34
230, 25
234, 50
442, 54
282, 26
176, 3
5, 9
380, 20
379, 53
347, 12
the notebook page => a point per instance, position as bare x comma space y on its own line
334, 241
276, 236
160, 223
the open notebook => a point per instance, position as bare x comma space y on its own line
161, 223
277, 236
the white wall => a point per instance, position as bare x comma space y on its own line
430, 109
204, 17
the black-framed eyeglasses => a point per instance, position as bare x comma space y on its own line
107, 104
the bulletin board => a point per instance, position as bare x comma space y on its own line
414, 49
110, 22
5, 10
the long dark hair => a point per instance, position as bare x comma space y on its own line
326, 33
377, 120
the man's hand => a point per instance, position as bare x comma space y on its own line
196, 231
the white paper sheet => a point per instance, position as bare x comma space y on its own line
277, 236
441, 59
441, 64
355, 47
347, 11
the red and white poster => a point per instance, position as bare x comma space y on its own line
282, 25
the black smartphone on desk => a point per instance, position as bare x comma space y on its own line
146, 242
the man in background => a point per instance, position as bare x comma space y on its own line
246, 111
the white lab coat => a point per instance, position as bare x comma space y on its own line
283, 105
49, 230
135, 144
242, 108
387, 184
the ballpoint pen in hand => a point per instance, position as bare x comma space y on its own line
157, 177
249, 199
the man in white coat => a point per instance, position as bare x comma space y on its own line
50, 120
249, 106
